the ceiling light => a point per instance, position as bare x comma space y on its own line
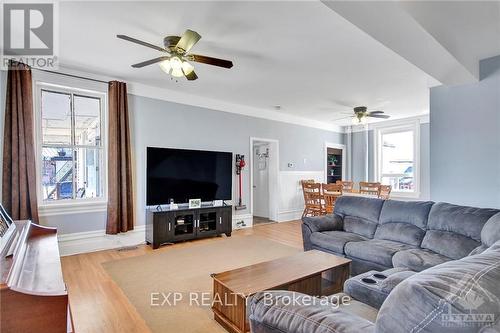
176, 65
165, 66
358, 120
177, 72
187, 67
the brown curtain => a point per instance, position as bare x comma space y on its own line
19, 172
120, 202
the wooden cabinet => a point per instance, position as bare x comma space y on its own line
171, 226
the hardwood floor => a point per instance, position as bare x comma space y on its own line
98, 305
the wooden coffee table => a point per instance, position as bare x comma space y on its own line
313, 272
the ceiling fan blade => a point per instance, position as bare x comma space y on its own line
140, 42
376, 112
187, 41
383, 116
150, 62
191, 76
211, 61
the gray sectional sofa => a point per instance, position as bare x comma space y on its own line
416, 267
381, 234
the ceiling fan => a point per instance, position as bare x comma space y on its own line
361, 113
175, 60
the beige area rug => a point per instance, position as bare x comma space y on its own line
186, 270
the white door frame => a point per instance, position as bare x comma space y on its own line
325, 158
273, 178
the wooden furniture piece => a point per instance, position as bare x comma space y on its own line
330, 194
384, 191
170, 226
369, 188
333, 165
33, 295
313, 272
347, 186
313, 200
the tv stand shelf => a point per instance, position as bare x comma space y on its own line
170, 226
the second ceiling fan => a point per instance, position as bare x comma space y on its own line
175, 60
361, 113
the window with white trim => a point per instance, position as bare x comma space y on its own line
70, 130
398, 158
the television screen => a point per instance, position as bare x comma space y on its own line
181, 175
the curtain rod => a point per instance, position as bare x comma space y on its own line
70, 75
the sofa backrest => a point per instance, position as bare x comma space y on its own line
360, 214
403, 221
454, 231
456, 296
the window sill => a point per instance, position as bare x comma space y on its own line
54, 209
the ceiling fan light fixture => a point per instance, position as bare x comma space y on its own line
356, 120
177, 72
176, 64
187, 68
165, 66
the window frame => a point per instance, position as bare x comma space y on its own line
398, 127
78, 87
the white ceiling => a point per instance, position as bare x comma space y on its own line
300, 55
470, 30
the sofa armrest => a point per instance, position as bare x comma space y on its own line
285, 311
317, 224
375, 292
324, 223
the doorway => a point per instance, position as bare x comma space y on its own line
264, 180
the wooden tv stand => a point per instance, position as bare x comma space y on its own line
170, 226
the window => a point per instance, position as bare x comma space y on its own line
397, 158
71, 149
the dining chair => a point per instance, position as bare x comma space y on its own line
312, 199
305, 181
384, 192
330, 194
369, 188
347, 186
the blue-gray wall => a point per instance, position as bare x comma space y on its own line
465, 140
165, 124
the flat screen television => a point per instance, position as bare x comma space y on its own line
181, 174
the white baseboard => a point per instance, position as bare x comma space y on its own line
98, 240
247, 218
91, 241
290, 215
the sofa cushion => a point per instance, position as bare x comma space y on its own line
334, 240
403, 221
360, 214
491, 230
436, 299
454, 231
418, 259
375, 250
